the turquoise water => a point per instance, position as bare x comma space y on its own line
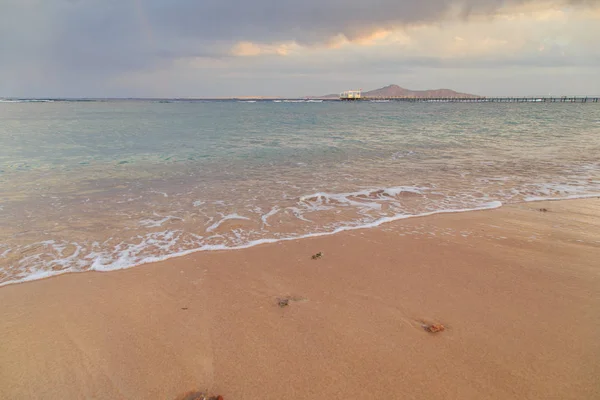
112, 184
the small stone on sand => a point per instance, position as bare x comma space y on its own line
198, 396
435, 328
283, 302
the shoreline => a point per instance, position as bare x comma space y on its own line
382, 221
517, 289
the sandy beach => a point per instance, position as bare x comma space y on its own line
517, 288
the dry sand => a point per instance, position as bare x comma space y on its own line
518, 290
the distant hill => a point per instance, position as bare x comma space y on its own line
397, 91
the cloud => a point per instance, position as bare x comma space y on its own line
312, 21
92, 46
249, 49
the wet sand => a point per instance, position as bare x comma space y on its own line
518, 290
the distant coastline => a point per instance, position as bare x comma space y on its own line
391, 92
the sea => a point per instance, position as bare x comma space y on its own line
111, 184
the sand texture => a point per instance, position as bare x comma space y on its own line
516, 289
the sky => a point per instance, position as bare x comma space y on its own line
228, 48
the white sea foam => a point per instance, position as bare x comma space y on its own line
266, 216
153, 223
298, 213
565, 191
128, 255
125, 255
363, 199
36, 275
377, 193
366, 210
568, 197
225, 218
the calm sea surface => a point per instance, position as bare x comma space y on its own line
109, 185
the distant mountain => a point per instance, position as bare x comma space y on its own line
397, 91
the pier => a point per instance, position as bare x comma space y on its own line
560, 99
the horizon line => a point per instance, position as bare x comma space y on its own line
259, 97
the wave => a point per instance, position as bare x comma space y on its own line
225, 218
369, 198
151, 223
168, 239
569, 197
563, 191
162, 236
